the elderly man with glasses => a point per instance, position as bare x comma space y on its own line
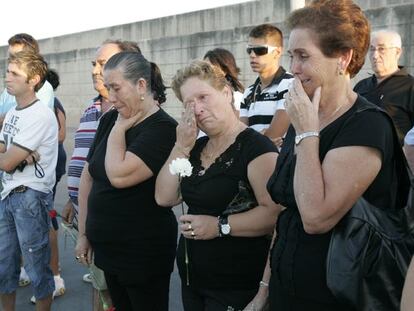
390, 87
262, 107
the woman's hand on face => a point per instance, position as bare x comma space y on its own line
187, 130
126, 124
83, 250
199, 227
303, 112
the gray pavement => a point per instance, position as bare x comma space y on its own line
78, 296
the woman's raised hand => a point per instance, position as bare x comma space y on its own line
126, 124
303, 112
187, 130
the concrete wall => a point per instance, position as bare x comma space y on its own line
173, 41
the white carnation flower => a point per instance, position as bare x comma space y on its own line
181, 167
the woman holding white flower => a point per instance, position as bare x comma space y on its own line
226, 253
133, 239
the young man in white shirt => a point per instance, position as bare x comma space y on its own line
24, 42
29, 128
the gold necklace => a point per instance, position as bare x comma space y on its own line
221, 147
333, 114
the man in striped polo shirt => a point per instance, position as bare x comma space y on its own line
262, 107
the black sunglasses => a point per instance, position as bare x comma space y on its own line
260, 50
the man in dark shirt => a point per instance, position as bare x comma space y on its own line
390, 87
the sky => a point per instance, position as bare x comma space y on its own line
50, 18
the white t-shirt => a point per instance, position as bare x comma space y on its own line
33, 128
409, 138
238, 98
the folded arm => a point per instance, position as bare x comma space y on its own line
279, 125
11, 158
123, 168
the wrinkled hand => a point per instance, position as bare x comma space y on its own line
83, 251
260, 302
199, 227
187, 130
303, 112
126, 124
68, 212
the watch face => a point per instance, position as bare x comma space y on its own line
225, 229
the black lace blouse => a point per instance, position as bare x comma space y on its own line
227, 262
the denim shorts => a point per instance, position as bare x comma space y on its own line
24, 231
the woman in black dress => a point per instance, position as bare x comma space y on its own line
133, 239
226, 254
331, 155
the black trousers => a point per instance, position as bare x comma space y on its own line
150, 294
215, 300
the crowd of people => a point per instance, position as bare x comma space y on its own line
269, 174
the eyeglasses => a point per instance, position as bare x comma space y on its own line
381, 49
260, 50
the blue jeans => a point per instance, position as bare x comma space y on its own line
24, 231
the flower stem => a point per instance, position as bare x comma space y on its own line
186, 253
187, 261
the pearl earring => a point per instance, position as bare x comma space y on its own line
142, 98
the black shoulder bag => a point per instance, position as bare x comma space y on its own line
371, 248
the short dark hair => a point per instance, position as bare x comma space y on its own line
53, 78
29, 43
124, 46
338, 26
268, 31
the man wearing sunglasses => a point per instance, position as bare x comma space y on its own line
262, 107
390, 87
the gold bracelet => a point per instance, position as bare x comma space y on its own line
181, 150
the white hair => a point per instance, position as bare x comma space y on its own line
395, 38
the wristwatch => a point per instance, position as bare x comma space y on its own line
224, 226
299, 137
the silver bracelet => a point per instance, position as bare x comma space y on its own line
263, 284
